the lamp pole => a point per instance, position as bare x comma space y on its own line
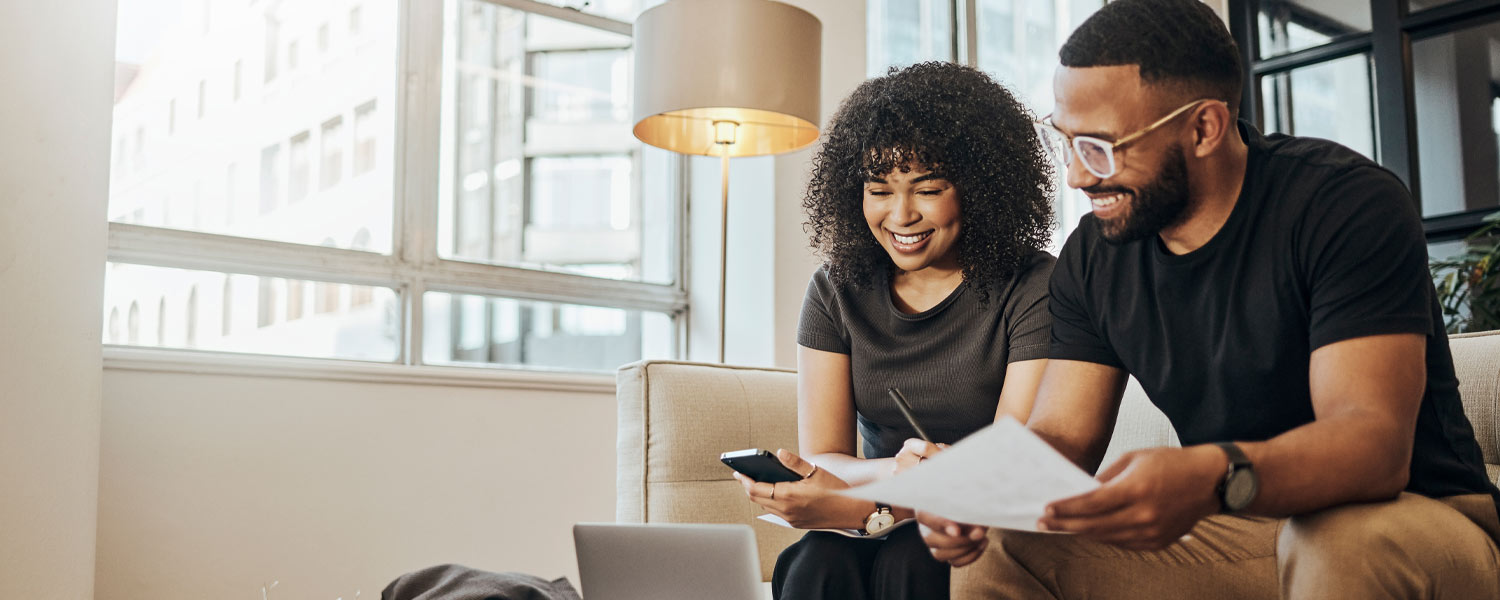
724, 137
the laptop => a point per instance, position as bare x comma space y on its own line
667, 561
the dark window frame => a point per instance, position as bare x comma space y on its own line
1393, 29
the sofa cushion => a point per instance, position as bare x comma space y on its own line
1476, 360
675, 418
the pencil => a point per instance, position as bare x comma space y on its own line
906, 412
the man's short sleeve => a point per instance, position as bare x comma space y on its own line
821, 325
1028, 331
1075, 335
1364, 259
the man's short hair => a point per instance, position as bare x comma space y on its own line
1176, 43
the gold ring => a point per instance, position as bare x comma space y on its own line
810, 473
773, 491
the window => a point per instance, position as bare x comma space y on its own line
272, 47
1331, 69
906, 32
523, 192
1015, 41
294, 294
356, 21
265, 303
227, 311
161, 322
1456, 89
538, 153
270, 179
299, 176
191, 335
1330, 100
133, 325
1291, 25
365, 138
331, 142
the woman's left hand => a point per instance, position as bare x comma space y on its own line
809, 503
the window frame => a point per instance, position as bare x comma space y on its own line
413, 266
1393, 30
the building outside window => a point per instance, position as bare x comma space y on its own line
528, 229
1014, 41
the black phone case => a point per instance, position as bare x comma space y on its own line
763, 467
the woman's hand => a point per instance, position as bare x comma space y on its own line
913, 452
809, 503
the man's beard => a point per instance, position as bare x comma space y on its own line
1153, 208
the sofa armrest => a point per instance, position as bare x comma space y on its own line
675, 418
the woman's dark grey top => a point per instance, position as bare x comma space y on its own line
949, 361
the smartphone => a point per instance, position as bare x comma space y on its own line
759, 465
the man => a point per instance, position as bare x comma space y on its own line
1271, 295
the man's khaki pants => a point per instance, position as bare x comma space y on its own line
1410, 547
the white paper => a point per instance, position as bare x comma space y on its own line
854, 533
1001, 476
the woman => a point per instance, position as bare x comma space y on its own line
930, 201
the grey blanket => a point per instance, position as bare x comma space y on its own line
457, 582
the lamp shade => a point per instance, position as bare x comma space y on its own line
755, 63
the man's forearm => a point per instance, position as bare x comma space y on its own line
1329, 462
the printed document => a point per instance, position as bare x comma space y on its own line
1001, 476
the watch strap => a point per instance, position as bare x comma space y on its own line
1237, 461
1237, 458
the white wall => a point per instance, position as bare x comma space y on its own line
54, 121
212, 486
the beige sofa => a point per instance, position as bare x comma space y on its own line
676, 417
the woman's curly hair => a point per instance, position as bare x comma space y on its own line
956, 122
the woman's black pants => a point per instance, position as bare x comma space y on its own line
827, 566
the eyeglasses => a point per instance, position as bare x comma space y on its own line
1098, 156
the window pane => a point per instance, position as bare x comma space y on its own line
190, 104
1328, 100
1456, 89
540, 169
1291, 25
231, 312
1417, 6
1018, 43
619, 10
905, 32
462, 328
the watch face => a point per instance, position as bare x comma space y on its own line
879, 522
1240, 489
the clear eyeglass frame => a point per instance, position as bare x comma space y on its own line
1098, 155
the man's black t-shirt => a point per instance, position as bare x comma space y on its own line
1323, 245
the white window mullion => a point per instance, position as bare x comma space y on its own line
418, 135
172, 248
138, 244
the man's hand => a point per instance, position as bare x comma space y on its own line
951, 542
1150, 498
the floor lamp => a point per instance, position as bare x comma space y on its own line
726, 78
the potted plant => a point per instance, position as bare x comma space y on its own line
1468, 283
